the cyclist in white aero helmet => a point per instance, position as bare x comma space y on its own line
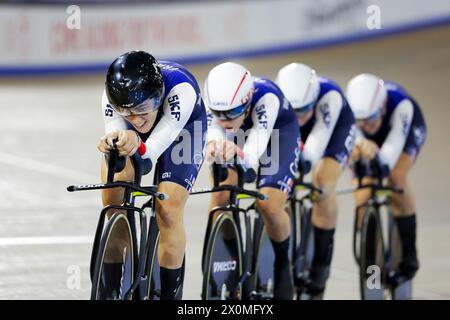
392, 128
328, 133
253, 112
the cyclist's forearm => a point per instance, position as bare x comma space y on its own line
327, 114
400, 126
260, 133
172, 122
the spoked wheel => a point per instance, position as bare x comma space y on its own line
223, 261
114, 266
263, 281
305, 252
372, 258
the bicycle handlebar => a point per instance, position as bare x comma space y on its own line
372, 186
228, 187
309, 186
116, 163
149, 190
376, 187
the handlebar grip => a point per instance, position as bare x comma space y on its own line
115, 162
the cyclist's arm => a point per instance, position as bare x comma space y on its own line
175, 117
113, 121
264, 115
395, 141
327, 114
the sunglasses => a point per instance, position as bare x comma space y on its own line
371, 119
302, 110
149, 105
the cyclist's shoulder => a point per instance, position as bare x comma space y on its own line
174, 74
396, 94
327, 84
264, 86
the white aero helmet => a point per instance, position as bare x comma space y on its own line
366, 95
300, 85
228, 90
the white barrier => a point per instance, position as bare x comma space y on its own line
37, 37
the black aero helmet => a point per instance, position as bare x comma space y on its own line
132, 78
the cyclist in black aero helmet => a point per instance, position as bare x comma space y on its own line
153, 108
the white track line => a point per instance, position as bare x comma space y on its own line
56, 240
46, 168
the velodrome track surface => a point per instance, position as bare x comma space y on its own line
49, 130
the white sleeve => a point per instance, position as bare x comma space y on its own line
395, 141
215, 131
113, 121
264, 115
177, 109
327, 114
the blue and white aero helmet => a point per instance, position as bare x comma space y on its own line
228, 90
300, 85
366, 95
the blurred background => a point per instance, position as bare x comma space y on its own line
53, 57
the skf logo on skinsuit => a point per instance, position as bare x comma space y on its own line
419, 135
222, 266
325, 110
351, 139
174, 104
262, 115
166, 175
405, 123
108, 111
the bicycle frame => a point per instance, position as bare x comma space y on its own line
131, 191
300, 246
376, 189
237, 193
